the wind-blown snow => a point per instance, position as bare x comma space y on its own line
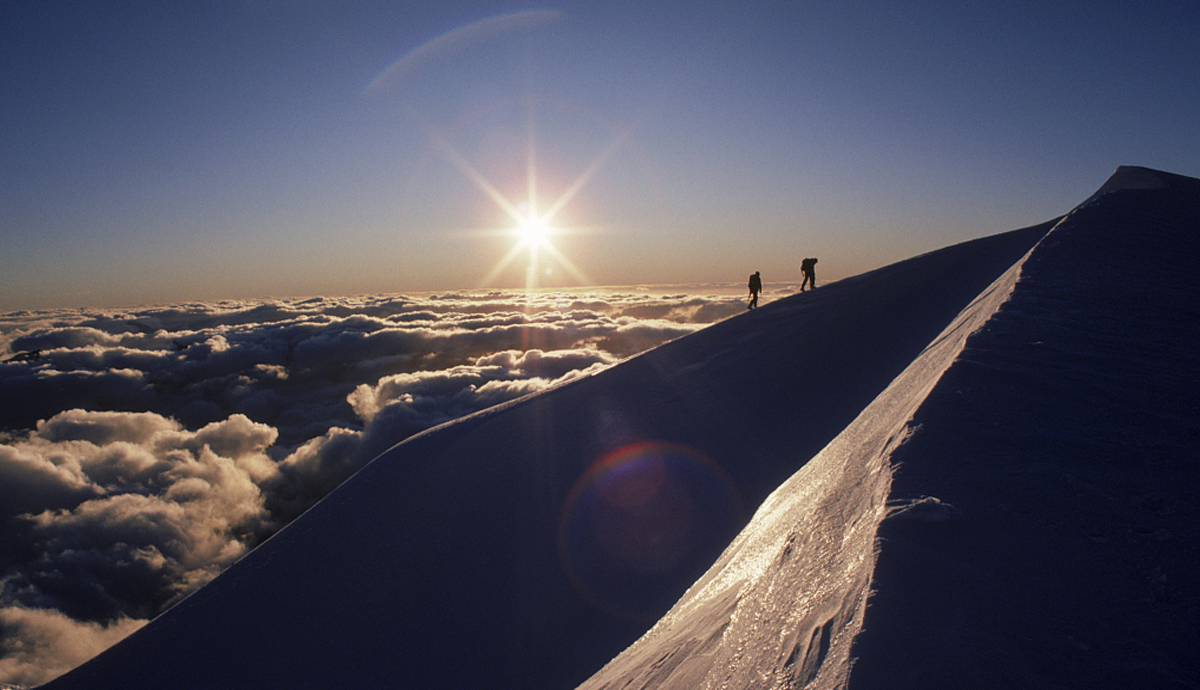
918, 441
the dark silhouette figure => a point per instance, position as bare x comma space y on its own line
809, 268
755, 288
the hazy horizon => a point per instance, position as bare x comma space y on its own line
699, 289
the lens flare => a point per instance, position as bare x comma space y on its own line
456, 39
641, 520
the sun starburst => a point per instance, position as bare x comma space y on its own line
533, 230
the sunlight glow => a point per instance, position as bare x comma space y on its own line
533, 230
534, 234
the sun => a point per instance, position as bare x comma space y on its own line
533, 231
534, 236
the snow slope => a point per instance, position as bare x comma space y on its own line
782, 605
1067, 434
1042, 528
527, 545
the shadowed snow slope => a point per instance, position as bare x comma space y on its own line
527, 545
782, 605
1066, 436
1042, 528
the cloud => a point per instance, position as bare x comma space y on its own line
102, 428
143, 511
450, 393
313, 470
399, 406
143, 451
37, 645
31, 482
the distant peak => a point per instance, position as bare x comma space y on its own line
1131, 177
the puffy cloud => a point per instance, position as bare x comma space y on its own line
142, 451
243, 441
29, 393
68, 338
313, 470
101, 428
37, 645
30, 481
460, 390
139, 511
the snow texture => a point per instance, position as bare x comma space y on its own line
973, 468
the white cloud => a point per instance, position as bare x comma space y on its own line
31, 481
460, 390
313, 470
145, 511
101, 427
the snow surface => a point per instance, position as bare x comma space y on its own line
781, 607
972, 469
1067, 435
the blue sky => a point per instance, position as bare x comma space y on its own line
155, 153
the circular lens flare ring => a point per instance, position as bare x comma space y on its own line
641, 517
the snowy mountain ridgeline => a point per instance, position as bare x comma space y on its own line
974, 468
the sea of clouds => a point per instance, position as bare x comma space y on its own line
144, 450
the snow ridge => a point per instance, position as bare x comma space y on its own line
1065, 438
1129, 177
1057, 371
801, 570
